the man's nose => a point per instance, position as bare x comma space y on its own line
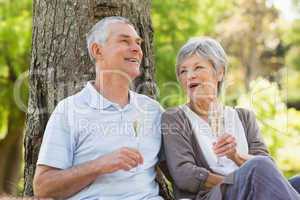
136, 48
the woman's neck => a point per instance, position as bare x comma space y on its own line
199, 109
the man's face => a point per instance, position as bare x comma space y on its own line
122, 51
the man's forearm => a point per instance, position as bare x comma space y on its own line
57, 183
60, 184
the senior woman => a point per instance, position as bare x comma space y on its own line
235, 166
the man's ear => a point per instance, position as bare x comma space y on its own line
96, 50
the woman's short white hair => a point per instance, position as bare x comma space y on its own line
100, 31
207, 48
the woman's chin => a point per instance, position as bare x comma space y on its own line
200, 97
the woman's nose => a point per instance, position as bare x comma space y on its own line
191, 75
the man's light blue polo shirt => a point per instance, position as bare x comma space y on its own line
86, 126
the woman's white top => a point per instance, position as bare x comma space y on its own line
205, 138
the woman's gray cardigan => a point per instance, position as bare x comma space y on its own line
186, 163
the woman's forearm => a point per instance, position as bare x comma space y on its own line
213, 180
240, 159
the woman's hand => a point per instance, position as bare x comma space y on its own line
213, 180
226, 146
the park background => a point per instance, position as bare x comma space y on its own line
261, 38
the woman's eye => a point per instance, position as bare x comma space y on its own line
182, 71
198, 67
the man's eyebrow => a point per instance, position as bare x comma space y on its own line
127, 36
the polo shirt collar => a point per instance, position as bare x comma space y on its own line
97, 101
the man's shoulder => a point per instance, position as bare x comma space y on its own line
71, 102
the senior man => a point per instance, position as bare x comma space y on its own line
103, 142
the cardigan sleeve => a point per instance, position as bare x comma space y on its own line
179, 153
256, 143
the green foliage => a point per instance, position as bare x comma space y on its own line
15, 41
3, 119
175, 21
15, 36
292, 58
236, 22
241, 26
279, 125
291, 39
291, 84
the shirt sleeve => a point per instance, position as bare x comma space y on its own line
56, 148
180, 156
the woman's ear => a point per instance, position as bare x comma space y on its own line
220, 74
96, 50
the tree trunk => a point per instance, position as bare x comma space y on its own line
60, 64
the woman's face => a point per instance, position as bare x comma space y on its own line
199, 79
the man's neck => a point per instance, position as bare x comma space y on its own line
114, 88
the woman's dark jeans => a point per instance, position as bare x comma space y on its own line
295, 182
259, 179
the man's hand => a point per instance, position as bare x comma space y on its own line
121, 159
226, 146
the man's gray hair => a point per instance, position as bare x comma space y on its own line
207, 48
100, 31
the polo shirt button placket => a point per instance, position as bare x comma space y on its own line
122, 115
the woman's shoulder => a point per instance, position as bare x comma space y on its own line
172, 110
174, 113
245, 113
248, 119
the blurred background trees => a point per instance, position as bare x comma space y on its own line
261, 37
15, 37
263, 46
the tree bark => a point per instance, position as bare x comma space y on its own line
60, 64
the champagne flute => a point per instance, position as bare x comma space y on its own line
136, 128
216, 121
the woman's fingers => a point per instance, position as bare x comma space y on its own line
225, 148
225, 145
224, 140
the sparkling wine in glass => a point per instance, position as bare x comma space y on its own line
136, 128
216, 121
